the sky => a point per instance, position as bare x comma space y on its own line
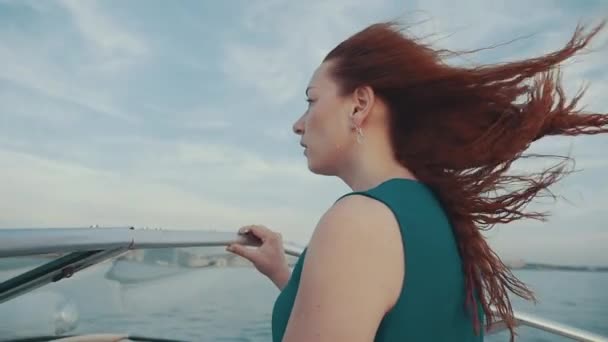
179, 114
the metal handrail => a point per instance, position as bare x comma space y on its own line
549, 326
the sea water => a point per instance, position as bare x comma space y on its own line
235, 304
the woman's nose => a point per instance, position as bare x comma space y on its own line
298, 127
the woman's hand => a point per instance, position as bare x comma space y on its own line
269, 258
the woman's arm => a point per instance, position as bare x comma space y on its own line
281, 278
352, 274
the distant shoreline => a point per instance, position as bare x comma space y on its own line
548, 267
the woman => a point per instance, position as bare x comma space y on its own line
425, 148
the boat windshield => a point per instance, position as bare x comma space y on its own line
190, 293
11, 267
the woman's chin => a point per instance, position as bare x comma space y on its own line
312, 166
318, 169
315, 165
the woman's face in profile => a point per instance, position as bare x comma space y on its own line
325, 127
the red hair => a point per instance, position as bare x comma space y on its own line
460, 129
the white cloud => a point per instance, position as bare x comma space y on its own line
208, 125
300, 34
237, 162
175, 185
17, 105
25, 66
51, 193
114, 44
30, 62
200, 118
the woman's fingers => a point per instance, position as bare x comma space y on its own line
259, 231
241, 250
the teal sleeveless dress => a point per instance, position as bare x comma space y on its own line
431, 306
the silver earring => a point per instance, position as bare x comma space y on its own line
359, 135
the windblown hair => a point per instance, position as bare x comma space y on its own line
459, 130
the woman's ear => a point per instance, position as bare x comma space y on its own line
363, 100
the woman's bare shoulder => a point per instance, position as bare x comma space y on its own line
351, 275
